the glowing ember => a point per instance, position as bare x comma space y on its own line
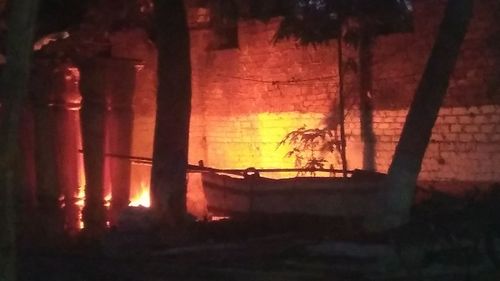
218, 218
141, 198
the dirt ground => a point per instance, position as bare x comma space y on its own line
265, 250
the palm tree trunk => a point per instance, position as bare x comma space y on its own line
168, 178
407, 160
14, 89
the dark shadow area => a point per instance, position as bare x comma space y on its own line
448, 238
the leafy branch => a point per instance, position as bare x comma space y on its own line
311, 147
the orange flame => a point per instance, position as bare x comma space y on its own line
80, 203
142, 197
107, 200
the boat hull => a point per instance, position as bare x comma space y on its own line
318, 196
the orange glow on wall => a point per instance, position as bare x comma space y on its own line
252, 141
271, 128
241, 142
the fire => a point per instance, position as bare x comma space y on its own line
80, 194
80, 203
142, 197
107, 200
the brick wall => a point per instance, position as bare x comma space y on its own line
252, 96
464, 145
246, 100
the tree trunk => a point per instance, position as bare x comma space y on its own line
14, 89
168, 178
27, 173
407, 160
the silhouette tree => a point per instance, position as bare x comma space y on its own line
407, 160
14, 89
355, 24
173, 100
406, 164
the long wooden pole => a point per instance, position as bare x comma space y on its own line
201, 169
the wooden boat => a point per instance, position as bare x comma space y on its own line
354, 197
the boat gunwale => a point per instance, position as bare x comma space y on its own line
259, 186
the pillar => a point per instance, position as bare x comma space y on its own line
120, 129
92, 118
107, 86
56, 102
67, 109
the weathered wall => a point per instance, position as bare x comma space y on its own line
465, 142
252, 96
246, 100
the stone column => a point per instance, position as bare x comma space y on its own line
56, 101
67, 110
93, 126
107, 87
120, 129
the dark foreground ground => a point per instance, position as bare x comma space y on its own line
447, 238
269, 249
